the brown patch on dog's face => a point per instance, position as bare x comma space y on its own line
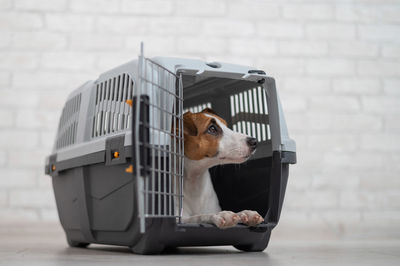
201, 134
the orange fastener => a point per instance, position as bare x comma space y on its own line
53, 167
116, 154
129, 169
129, 102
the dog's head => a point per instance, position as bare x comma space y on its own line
207, 136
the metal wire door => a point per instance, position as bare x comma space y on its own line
160, 178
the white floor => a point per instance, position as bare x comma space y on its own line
45, 245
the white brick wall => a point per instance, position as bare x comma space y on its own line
337, 66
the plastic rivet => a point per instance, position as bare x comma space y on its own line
53, 167
116, 154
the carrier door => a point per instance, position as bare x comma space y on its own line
158, 142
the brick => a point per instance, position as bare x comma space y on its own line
5, 39
27, 159
293, 104
46, 139
356, 123
252, 48
200, 45
352, 48
351, 199
379, 180
5, 4
110, 60
361, 163
315, 199
122, 25
49, 215
368, 13
287, 30
95, 42
18, 60
173, 26
39, 5
36, 119
387, 142
357, 86
308, 11
95, 6
11, 138
3, 198
391, 50
3, 158
281, 67
242, 9
330, 66
302, 48
379, 32
153, 45
69, 22
205, 8
309, 122
16, 216
330, 31
378, 68
392, 123
305, 85
39, 40
336, 104
29, 198
149, 7
330, 142
381, 104
337, 179
13, 98
6, 118
20, 21
46, 79
12, 178
5, 78
231, 28
68, 60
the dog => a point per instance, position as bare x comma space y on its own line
209, 142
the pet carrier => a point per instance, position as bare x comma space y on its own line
117, 161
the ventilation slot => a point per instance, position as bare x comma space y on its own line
198, 108
112, 113
250, 113
68, 126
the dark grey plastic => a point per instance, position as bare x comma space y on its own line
97, 199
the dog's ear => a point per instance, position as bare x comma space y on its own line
189, 126
209, 110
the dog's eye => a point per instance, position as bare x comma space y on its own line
213, 130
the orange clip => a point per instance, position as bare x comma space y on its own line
129, 169
53, 167
116, 154
129, 102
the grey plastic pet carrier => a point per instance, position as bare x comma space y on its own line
117, 161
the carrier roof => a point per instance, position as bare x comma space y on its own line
196, 66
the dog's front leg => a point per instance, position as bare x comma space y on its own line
223, 219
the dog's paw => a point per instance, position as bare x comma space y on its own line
251, 218
225, 219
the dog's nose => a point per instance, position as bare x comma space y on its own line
252, 142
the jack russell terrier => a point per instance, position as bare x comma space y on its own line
209, 142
